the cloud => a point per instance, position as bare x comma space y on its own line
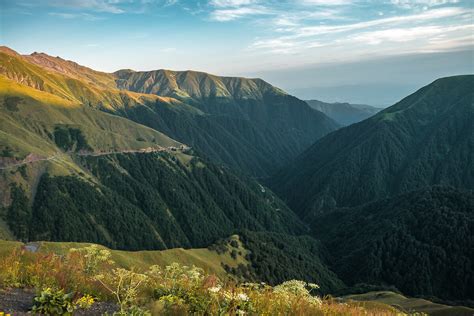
231, 3
326, 2
420, 17
229, 10
223, 15
399, 35
84, 16
412, 4
109, 6
439, 27
105, 6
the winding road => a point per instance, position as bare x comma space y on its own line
95, 154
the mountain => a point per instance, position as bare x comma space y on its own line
344, 113
69, 164
425, 139
246, 124
421, 241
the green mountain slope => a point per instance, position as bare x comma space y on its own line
30, 119
72, 172
344, 113
245, 123
425, 139
71, 163
157, 201
422, 242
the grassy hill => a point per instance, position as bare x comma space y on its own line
211, 261
411, 305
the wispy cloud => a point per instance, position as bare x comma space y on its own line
229, 10
231, 3
84, 16
400, 35
230, 14
425, 28
326, 2
420, 17
413, 4
101, 6
109, 6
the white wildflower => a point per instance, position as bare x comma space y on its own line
214, 289
242, 297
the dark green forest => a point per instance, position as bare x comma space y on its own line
156, 202
252, 136
277, 257
425, 139
422, 242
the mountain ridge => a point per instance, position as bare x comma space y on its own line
228, 119
424, 139
344, 113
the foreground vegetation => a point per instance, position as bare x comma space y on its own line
84, 276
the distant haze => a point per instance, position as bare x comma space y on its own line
380, 82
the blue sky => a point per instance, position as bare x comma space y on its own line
265, 38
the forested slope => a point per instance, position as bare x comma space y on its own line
422, 242
245, 123
148, 201
425, 139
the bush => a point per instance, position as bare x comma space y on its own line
124, 285
53, 302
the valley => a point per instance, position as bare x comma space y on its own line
185, 170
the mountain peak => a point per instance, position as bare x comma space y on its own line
8, 51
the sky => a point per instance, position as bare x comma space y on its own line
335, 50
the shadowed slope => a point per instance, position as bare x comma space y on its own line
425, 139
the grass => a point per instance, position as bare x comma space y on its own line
154, 281
210, 261
29, 116
411, 305
36, 112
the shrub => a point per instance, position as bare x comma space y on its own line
93, 257
53, 302
10, 269
124, 285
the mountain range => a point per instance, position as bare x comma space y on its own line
391, 197
425, 139
344, 113
164, 159
246, 124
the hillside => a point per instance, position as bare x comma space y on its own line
412, 305
422, 242
68, 165
425, 139
247, 123
344, 113
172, 201
209, 260
100, 281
